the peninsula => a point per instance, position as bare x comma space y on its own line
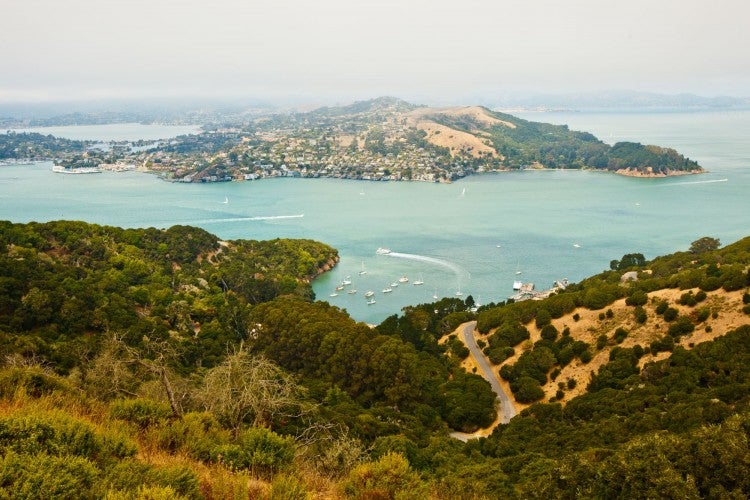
379, 139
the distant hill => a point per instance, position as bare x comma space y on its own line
379, 139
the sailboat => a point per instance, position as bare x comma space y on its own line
435, 296
420, 281
363, 271
226, 200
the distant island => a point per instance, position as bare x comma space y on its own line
380, 139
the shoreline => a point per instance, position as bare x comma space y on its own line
650, 174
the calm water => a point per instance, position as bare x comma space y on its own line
472, 236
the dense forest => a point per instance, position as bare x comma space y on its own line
150, 363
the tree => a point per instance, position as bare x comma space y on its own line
631, 260
704, 244
248, 387
114, 370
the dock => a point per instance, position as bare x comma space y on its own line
526, 291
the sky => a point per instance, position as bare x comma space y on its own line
340, 50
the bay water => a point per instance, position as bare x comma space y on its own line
474, 237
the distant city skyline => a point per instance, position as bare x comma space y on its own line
337, 51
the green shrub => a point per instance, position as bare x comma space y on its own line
181, 479
746, 298
637, 298
601, 342
670, 314
459, 350
549, 333
565, 356
661, 307
195, 433
576, 317
33, 380
57, 433
389, 477
31, 476
682, 326
285, 487
746, 309
572, 383
700, 296
527, 390
665, 343
688, 299
640, 315
710, 283
702, 314
499, 354
542, 318
258, 450
140, 412
620, 335
585, 357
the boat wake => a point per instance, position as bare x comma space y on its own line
458, 270
245, 219
695, 182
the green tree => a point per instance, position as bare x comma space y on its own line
704, 244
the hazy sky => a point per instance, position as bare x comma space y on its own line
337, 49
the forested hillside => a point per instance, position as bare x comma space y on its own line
169, 364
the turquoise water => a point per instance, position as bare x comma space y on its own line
472, 236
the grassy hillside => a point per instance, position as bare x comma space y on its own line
169, 364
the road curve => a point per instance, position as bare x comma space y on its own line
507, 410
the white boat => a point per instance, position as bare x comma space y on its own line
370, 302
459, 293
347, 281
403, 279
369, 293
435, 296
334, 294
339, 288
576, 245
226, 200
76, 170
363, 271
517, 285
394, 284
419, 281
352, 291
383, 251
387, 290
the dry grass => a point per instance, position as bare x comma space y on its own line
726, 305
473, 142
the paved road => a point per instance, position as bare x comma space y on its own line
507, 410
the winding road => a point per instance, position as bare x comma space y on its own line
507, 410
